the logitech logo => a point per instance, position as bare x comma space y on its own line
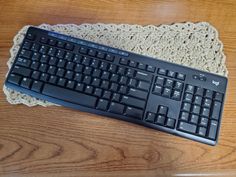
216, 83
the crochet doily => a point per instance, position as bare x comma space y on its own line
193, 44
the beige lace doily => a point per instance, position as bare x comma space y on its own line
193, 44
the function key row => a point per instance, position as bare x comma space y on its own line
88, 44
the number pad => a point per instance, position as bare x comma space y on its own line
200, 112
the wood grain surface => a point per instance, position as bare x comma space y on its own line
57, 141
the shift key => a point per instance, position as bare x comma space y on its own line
133, 102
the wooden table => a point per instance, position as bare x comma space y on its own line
57, 141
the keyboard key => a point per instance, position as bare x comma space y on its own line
160, 81
27, 45
134, 112
98, 92
137, 93
44, 77
101, 55
143, 76
199, 91
188, 97
109, 57
162, 110
218, 97
70, 84
26, 53
102, 104
130, 73
123, 80
78, 77
166, 92
114, 87
160, 120
87, 80
15, 79
23, 62
35, 47
123, 61
80, 87
60, 72
213, 129
162, 71
34, 65
132, 83
171, 74
133, 102
79, 68
61, 82
190, 89
151, 68
21, 71
169, 83
53, 61
178, 85
141, 66
30, 36
106, 94
197, 100
52, 42
112, 68
69, 95
96, 82
83, 50
209, 94
51, 70
60, 44
44, 40
35, 75
194, 119
180, 76
196, 109
186, 127
205, 112
116, 97
123, 89
176, 95
204, 122
202, 131
116, 108
143, 85
157, 90
207, 103
37, 86
132, 63
184, 116
170, 123
69, 46
150, 117
186, 107
53, 79
26, 83
216, 110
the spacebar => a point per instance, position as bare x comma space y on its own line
69, 96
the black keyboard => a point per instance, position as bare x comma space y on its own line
107, 81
